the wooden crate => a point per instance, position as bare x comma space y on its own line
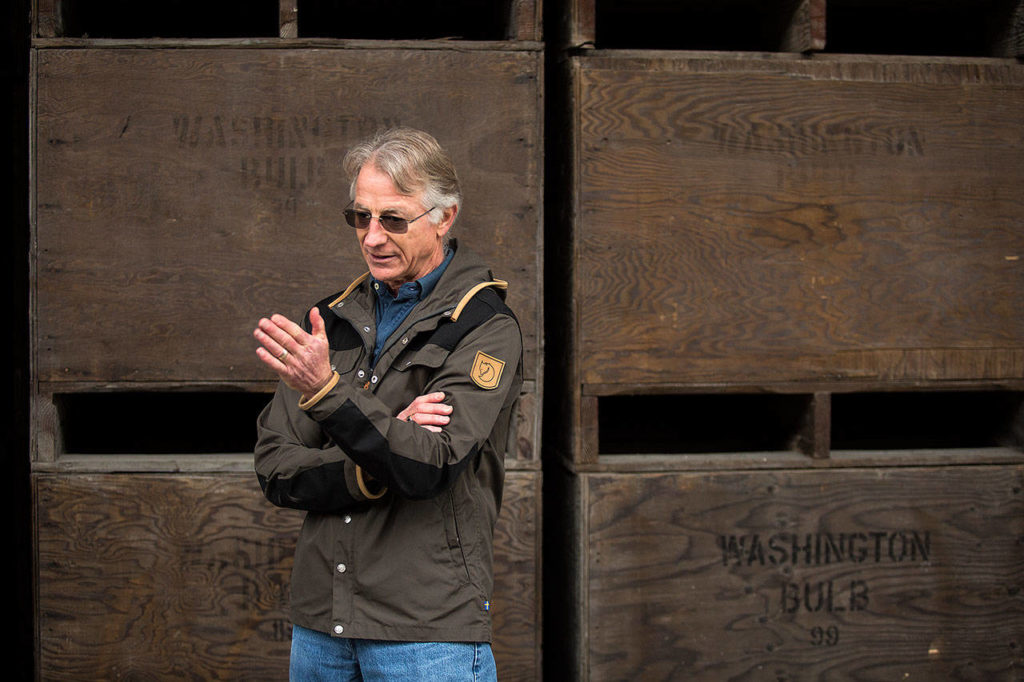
182, 192
790, 225
186, 576
861, 573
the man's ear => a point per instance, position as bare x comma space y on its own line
447, 220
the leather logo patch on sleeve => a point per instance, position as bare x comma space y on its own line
486, 372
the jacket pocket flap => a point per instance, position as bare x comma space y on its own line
429, 356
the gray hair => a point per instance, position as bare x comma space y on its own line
414, 161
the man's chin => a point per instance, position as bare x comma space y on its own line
382, 273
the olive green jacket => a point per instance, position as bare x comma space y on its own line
397, 539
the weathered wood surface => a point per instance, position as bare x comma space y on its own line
288, 18
753, 220
805, 29
525, 20
148, 577
182, 193
895, 574
45, 18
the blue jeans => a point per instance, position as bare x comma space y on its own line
318, 657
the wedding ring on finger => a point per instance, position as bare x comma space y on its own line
283, 355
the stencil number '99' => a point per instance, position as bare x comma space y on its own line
825, 636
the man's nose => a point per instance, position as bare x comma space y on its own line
375, 233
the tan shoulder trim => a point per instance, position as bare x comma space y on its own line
498, 284
351, 287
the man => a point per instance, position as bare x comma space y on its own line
389, 429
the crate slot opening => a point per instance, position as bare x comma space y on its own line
927, 420
698, 424
168, 19
953, 28
746, 25
153, 422
404, 19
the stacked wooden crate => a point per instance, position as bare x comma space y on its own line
185, 181
793, 395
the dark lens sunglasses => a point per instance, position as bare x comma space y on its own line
361, 220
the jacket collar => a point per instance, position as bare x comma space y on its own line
464, 277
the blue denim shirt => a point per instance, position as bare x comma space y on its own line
391, 310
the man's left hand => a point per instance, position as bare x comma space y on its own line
301, 359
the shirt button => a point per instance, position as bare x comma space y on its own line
338, 629
341, 568
348, 519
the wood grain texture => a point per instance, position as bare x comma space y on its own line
46, 18
525, 20
159, 577
183, 193
151, 577
517, 586
805, 31
759, 219
854, 575
288, 18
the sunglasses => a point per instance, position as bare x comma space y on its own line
361, 220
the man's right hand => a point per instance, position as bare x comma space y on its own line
428, 411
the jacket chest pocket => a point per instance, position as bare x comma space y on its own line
344, 362
413, 372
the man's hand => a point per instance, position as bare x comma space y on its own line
301, 360
428, 411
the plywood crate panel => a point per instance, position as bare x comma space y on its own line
752, 220
186, 576
180, 194
869, 574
